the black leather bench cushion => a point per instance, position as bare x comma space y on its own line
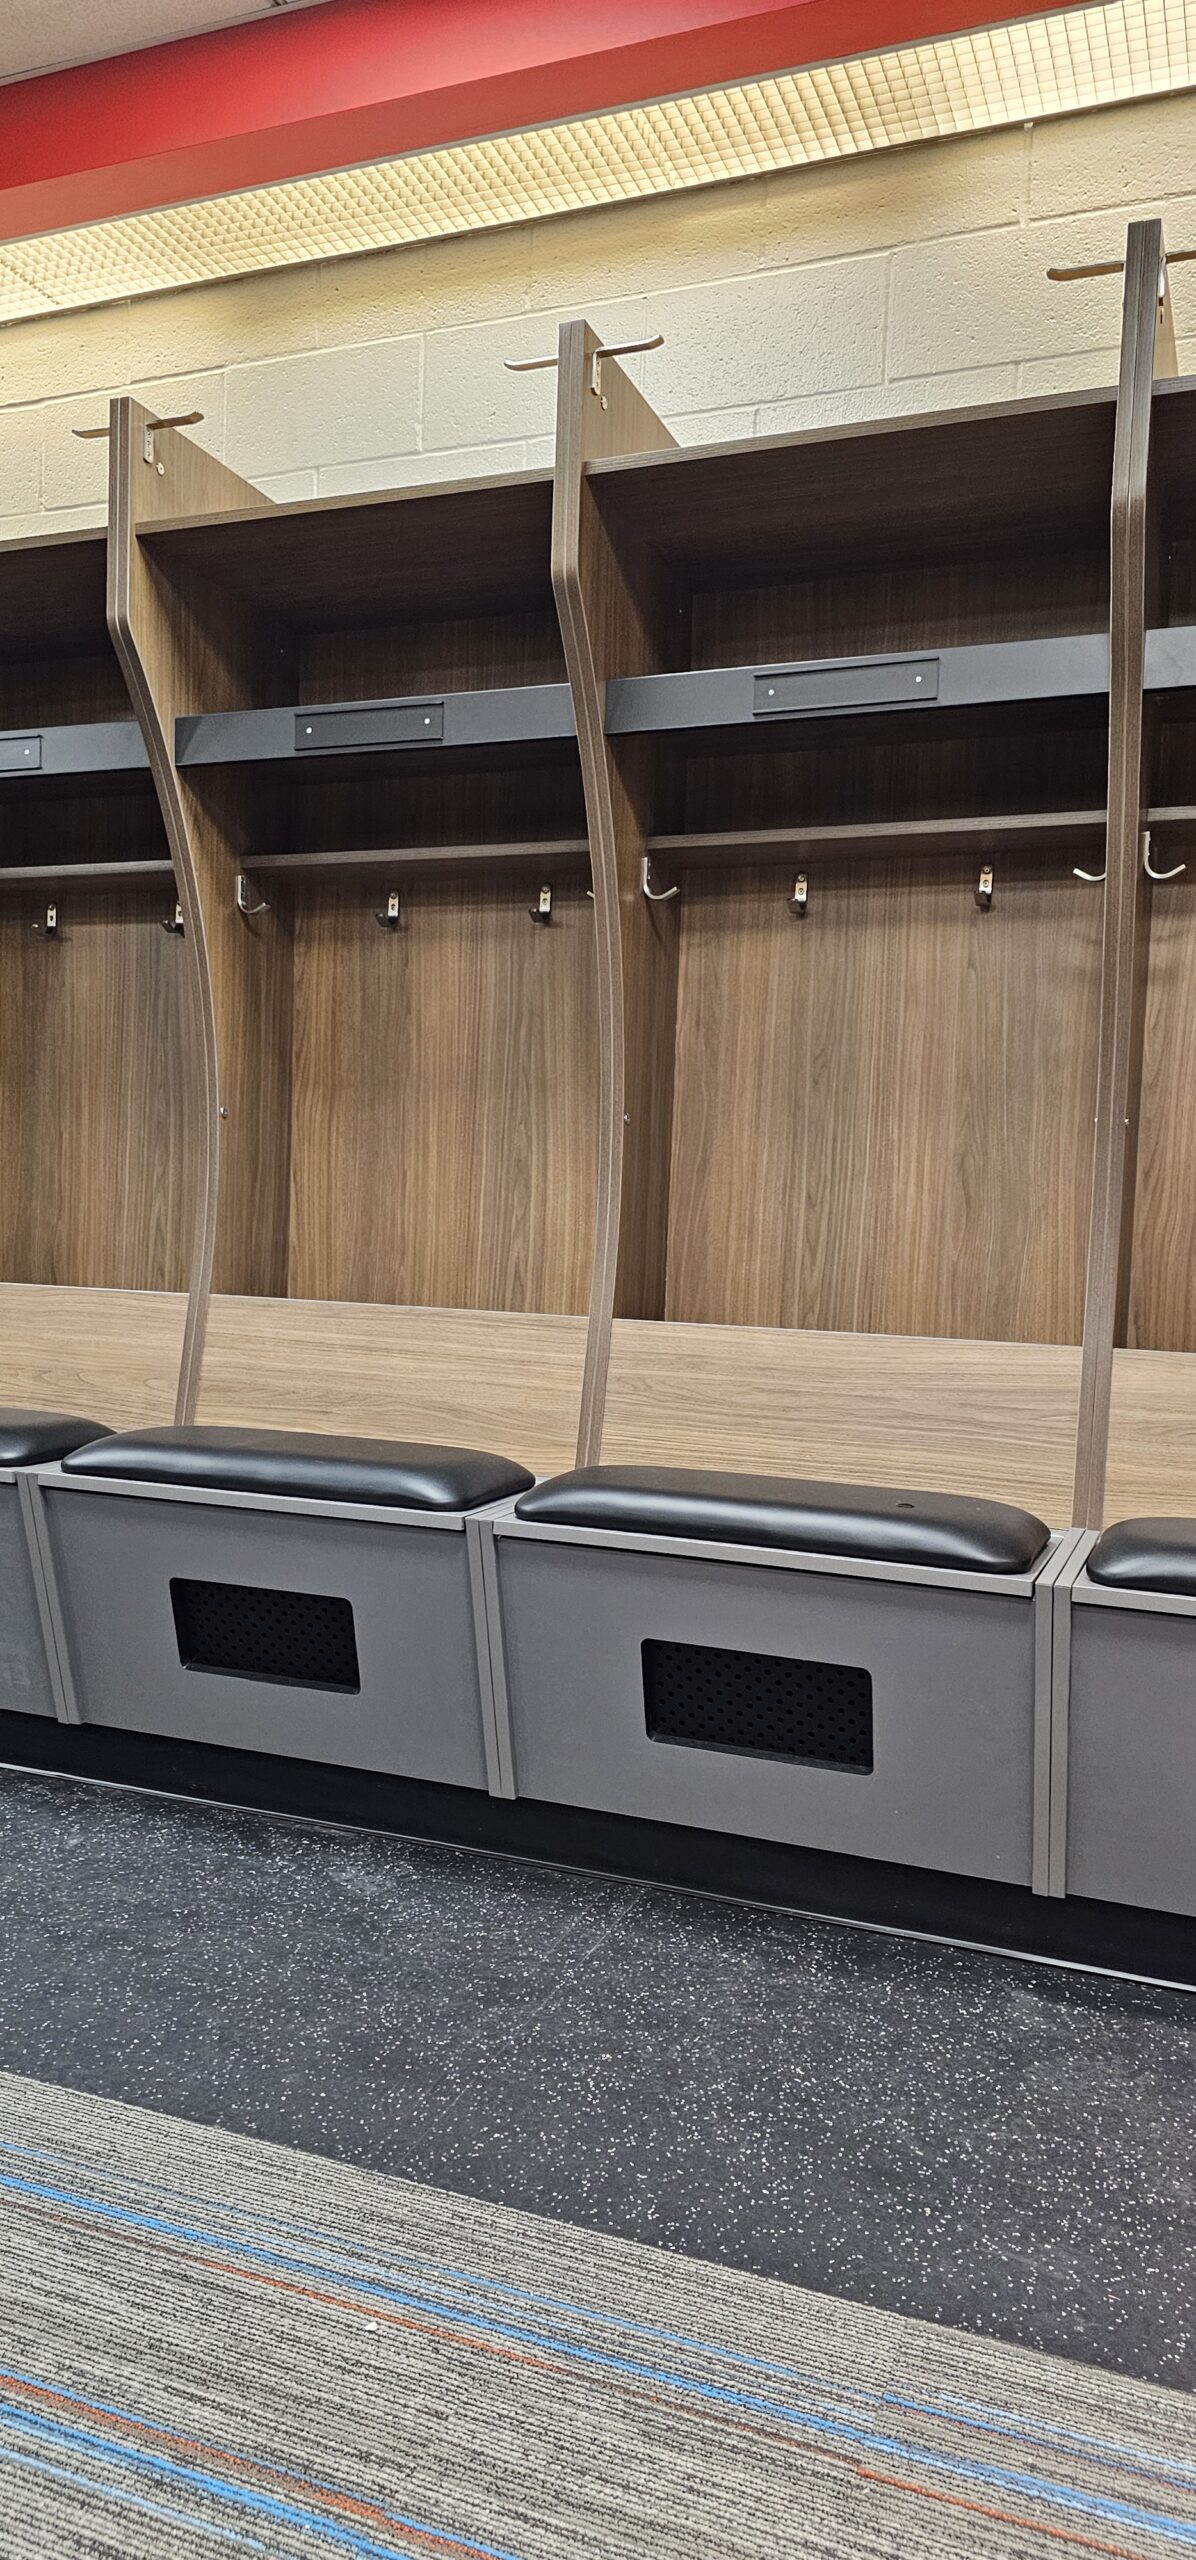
32, 1439
1147, 1555
318, 1465
863, 1520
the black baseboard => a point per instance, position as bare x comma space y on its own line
1112, 1936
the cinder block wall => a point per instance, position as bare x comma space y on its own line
906, 280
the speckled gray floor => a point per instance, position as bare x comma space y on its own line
997, 2146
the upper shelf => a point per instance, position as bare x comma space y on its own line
729, 513
53, 596
479, 546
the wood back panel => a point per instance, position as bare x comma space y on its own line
884, 1108
190, 650
1008, 593
96, 1111
1163, 1299
989, 1418
444, 1077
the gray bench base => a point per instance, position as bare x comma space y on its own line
959, 1668
324, 1631
1126, 1694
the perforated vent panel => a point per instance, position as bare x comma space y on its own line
760, 1703
303, 1638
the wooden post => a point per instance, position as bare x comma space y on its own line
607, 624
1147, 351
175, 661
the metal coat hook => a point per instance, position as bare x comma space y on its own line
246, 903
656, 896
541, 913
984, 887
174, 923
544, 364
49, 929
800, 901
1149, 868
388, 916
188, 418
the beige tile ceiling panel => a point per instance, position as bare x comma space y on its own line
1058, 64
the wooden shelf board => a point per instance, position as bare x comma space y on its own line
90, 875
522, 857
1051, 831
53, 595
387, 556
728, 514
968, 1417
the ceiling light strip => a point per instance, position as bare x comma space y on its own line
1074, 58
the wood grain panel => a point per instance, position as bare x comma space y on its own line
184, 652
465, 547
110, 1353
840, 496
40, 692
883, 1109
1146, 329
988, 769
1039, 592
609, 625
1163, 1301
435, 656
96, 1128
952, 1417
444, 1081
973, 1417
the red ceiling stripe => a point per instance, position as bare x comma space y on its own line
359, 80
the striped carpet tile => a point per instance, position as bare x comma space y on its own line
211, 2343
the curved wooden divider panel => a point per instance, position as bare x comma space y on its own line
608, 619
1147, 349
183, 655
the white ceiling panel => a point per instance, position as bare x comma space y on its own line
43, 35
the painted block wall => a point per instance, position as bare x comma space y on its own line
901, 281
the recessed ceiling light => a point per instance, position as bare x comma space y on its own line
1057, 64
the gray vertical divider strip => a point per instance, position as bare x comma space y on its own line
1045, 1605
49, 1606
1061, 1707
503, 1782
497, 1740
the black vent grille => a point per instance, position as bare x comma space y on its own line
302, 1638
761, 1703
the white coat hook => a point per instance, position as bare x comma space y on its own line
799, 903
173, 923
1149, 868
984, 888
541, 913
48, 929
1095, 877
656, 896
389, 914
